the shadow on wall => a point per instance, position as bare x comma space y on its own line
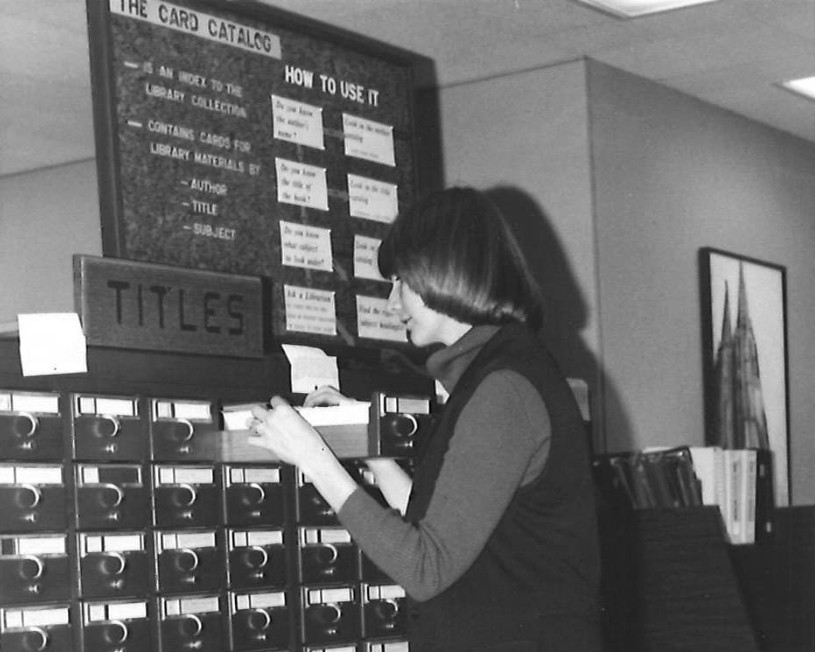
566, 313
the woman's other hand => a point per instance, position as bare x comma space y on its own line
326, 395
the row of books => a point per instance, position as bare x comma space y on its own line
738, 481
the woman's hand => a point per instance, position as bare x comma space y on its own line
289, 436
393, 481
326, 395
284, 432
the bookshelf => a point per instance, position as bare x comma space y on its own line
122, 502
777, 579
671, 582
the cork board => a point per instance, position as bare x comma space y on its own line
235, 138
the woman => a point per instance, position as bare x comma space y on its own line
494, 538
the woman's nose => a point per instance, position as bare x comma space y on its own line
393, 304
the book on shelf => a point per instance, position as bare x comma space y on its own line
708, 465
747, 489
731, 509
730, 480
650, 478
765, 497
738, 481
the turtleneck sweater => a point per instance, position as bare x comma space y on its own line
500, 443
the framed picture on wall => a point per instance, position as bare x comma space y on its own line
745, 357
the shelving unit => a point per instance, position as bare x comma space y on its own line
671, 582
119, 532
777, 579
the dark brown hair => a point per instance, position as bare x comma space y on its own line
454, 249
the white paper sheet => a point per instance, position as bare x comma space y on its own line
52, 343
311, 368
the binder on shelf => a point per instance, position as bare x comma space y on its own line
672, 473
730, 479
708, 465
732, 509
650, 478
737, 481
747, 489
623, 477
612, 482
765, 502
690, 489
645, 493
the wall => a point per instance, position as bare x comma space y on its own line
671, 175
45, 217
525, 137
664, 175
612, 232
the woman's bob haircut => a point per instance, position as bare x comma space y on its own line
454, 249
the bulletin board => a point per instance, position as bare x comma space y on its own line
234, 137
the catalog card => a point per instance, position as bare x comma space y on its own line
369, 140
310, 311
375, 321
301, 184
305, 246
371, 199
366, 251
297, 122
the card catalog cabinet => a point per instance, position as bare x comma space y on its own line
120, 533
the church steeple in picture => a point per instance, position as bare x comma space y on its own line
723, 429
740, 419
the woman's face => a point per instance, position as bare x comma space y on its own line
425, 325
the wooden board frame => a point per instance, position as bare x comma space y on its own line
191, 166
145, 306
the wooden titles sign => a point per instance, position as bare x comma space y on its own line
163, 308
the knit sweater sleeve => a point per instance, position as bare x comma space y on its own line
503, 429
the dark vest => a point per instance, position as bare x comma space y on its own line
539, 570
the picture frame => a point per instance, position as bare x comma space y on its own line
745, 357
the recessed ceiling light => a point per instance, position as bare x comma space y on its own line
634, 8
804, 86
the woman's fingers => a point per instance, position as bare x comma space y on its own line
326, 395
259, 412
277, 401
281, 429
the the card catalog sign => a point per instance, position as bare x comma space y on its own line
125, 304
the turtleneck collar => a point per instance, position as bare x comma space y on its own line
448, 364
